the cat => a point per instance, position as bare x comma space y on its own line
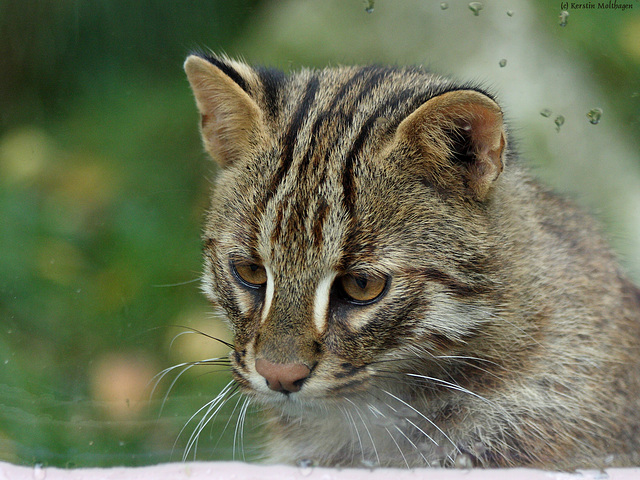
402, 293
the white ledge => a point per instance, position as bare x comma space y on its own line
244, 471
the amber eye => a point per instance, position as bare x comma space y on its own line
363, 289
250, 274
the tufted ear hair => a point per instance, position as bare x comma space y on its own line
231, 120
460, 138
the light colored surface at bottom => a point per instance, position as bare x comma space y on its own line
243, 471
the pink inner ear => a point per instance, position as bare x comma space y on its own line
482, 123
470, 113
487, 133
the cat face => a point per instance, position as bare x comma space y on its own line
396, 299
338, 240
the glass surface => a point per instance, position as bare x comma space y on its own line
103, 187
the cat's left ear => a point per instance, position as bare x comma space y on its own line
231, 120
461, 139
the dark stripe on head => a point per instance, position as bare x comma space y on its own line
277, 228
272, 81
340, 117
318, 226
227, 69
377, 75
289, 139
348, 182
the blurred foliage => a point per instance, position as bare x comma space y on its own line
609, 43
102, 189
103, 185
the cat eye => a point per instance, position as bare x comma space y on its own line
362, 289
250, 275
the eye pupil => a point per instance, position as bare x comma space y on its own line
361, 282
250, 275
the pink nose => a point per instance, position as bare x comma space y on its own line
283, 377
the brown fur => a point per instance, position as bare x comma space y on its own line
506, 332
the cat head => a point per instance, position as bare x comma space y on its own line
348, 235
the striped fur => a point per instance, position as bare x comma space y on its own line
504, 332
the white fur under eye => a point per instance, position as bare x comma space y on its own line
268, 297
321, 302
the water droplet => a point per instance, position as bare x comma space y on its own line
39, 472
305, 466
368, 6
444, 5
475, 7
564, 18
6, 362
510, 13
594, 115
503, 62
545, 112
559, 121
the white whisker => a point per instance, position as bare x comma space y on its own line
423, 416
178, 335
187, 366
422, 431
450, 385
398, 447
235, 432
364, 423
413, 445
238, 434
212, 408
242, 419
179, 284
353, 422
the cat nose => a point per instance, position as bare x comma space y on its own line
283, 377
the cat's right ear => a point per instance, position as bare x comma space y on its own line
231, 121
462, 138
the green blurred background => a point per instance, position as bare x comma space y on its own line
103, 184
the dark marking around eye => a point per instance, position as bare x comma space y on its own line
454, 285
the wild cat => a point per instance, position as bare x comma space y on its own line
400, 290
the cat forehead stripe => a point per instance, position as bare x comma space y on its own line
289, 139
